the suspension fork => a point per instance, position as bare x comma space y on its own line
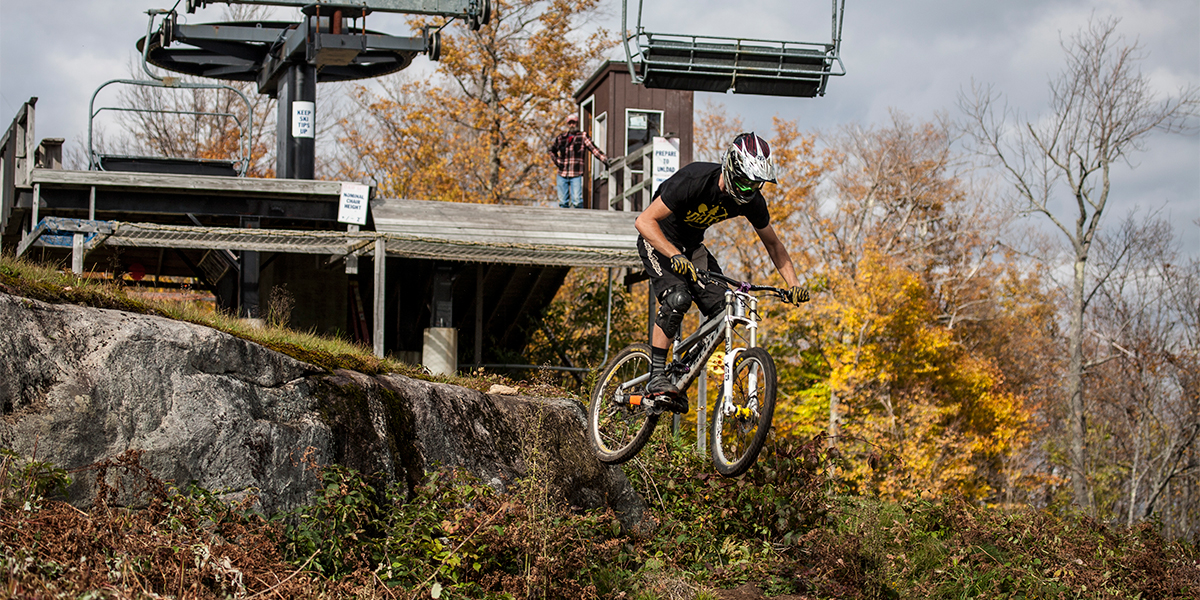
739, 309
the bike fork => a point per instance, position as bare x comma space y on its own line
727, 405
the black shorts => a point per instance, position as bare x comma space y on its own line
710, 298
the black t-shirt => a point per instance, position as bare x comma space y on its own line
697, 203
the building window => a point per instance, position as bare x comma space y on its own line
640, 128
600, 137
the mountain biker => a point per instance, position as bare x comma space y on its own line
672, 228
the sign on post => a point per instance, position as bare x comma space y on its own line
666, 160
304, 121
354, 202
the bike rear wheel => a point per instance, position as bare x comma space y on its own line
738, 437
617, 423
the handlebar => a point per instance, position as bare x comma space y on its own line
744, 286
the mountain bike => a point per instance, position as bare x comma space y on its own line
622, 416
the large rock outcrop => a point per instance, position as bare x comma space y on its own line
80, 386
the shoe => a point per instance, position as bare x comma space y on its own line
679, 404
661, 384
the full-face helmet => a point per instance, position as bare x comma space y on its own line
747, 166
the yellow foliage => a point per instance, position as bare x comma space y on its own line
899, 344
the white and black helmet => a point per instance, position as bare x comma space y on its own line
747, 166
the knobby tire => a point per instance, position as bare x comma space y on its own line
617, 429
737, 440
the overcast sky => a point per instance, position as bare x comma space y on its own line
913, 56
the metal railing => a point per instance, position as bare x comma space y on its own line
245, 130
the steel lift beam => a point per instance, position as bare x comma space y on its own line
741, 65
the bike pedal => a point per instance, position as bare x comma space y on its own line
671, 402
667, 402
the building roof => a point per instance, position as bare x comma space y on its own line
481, 233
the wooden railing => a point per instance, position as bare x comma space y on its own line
625, 196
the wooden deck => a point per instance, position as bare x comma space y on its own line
524, 234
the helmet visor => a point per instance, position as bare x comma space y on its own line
744, 185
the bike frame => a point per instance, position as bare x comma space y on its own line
692, 353
741, 308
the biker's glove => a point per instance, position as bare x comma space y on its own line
797, 295
683, 267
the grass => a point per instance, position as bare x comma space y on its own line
49, 284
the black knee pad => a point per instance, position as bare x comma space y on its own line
674, 303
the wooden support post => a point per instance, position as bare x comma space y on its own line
647, 190
37, 201
627, 181
77, 253
479, 314
612, 187
352, 259
608, 318
380, 294
250, 278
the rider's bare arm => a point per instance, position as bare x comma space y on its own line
778, 253
647, 225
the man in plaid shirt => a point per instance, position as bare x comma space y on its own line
567, 151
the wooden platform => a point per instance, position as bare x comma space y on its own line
510, 234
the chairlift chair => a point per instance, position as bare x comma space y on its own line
741, 65
98, 161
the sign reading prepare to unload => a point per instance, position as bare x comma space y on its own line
666, 159
354, 202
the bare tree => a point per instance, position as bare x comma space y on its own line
1144, 327
1102, 109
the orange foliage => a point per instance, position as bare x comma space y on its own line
478, 131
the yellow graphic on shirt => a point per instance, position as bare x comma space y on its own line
703, 215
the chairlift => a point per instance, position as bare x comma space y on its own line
238, 166
723, 64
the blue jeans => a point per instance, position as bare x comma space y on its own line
570, 188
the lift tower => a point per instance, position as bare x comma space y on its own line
287, 60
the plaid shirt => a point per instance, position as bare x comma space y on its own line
568, 152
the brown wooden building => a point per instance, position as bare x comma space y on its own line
622, 117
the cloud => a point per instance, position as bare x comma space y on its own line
911, 56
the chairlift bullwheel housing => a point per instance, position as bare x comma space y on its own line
481, 17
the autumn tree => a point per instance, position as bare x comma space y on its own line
799, 166
591, 318
905, 250
1102, 109
901, 251
478, 130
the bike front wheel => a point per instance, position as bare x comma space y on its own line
741, 425
618, 424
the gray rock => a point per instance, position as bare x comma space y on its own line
82, 386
